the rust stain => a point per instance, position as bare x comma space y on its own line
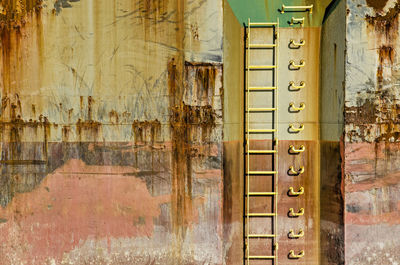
88, 130
70, 112
386, 24
114, 117
194, 28
152, 13
386, 54
13, 13
13, 17
190, 124
66, 130
153, 9
145, 132
90, 108
377, 4
379, 107
364, 113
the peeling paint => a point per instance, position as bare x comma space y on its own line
92, 133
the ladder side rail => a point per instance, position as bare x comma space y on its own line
276, 176
247, 144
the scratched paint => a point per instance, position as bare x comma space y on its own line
371, 132
108, 155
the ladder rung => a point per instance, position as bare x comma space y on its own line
261, 67
261, 46
260, 214
261, 130
261, 257
261, 88
265, 24
271, 193
261, 109
262, 172
261, 236
261, 152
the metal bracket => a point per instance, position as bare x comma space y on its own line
299, 108
296, 130
299, 213
302, 85
294, 256
294, 150
295, 8
294, 172
296, 193
297, 44
298, 235
297, 21
297, 66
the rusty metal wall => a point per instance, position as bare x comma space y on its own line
333, 51
309, 138
371, 165
111, 132
233, 137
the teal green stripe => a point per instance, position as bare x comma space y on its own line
244, 9
269, 10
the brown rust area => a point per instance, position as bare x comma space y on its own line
386, 54
232, 203
65, 131
14, 13
377, 4
387, 23
114, 117
146, 132
185, 123
331, 203
204, 78
362, 114
191, 124
377, 112
18, 155
90, 108
89, 129
153, 9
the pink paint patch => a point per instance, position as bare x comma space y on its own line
391, 218
364, 151
74, 203
389, 180
362, 168
209, 174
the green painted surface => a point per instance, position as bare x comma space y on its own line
269, 10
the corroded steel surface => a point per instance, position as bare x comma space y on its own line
371, 140
111, 132
333, 50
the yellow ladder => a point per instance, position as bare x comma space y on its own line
273, 172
